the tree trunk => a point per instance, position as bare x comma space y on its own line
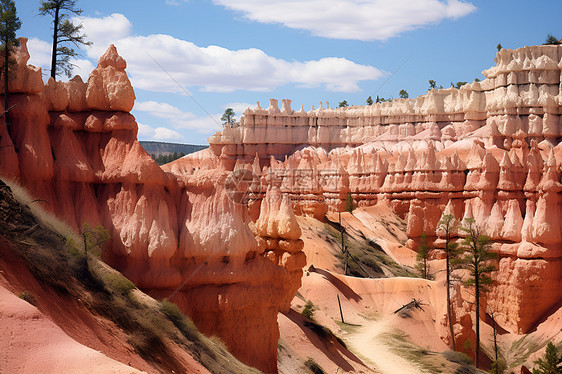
495, 337
477, 296
449, 309
6, 79
55, 43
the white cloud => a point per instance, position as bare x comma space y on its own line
163, 133
83, 68
40, 54
163, 110
104, 31
179, 119
145, 132
167, 64
351, 19
160, 133
239, 108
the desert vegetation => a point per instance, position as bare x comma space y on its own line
73, 269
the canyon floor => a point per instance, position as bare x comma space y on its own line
373, 337
353, 325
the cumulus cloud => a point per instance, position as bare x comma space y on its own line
179, 119
239, 108
159, 133
164, 63
83, 68
351, 19
167, 64
104, 31
39, 54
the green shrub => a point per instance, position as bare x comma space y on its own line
117, 283
498, 367
313, 366
458, 357
180, 320
27, 296
308, 310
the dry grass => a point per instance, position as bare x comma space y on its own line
369, 260
39, 239
44, 217
313, 366
28, 296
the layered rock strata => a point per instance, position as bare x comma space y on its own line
489, 151
73, 146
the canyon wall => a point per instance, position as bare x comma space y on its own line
219, 226
180, 236
489, 151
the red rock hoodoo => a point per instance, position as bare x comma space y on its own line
74, 145
488, 150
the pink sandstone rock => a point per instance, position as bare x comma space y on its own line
26, 78
74, 145
109, 88
461, 151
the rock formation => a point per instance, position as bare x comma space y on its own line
489, 150
219, 228
174, 233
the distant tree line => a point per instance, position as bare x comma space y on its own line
166, 158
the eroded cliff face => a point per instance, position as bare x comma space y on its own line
489, 151
177, 235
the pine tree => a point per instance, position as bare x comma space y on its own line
9, 24
447, 225
422, 258
551, 40
476, 260
551, 363
499, 366
369, 100
64, 31
228, 117
349, 206
403, 94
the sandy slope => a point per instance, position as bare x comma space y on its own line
367, 306
369, 303
301, 343
369, 343
32, 343
366, 303
381, 225
60, 335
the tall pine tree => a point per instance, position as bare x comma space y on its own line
476, 259
64, 32
447, 225
422, 258
9, 24
551, 363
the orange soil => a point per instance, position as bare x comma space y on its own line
370, 303
60, 335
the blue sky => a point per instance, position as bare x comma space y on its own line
232, 53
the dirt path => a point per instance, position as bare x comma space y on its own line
368, 342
